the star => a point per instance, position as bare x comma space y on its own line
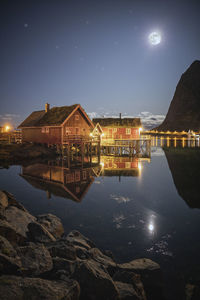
25, 25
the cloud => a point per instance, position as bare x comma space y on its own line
150, 120
9, 118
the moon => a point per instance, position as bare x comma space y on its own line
155, 38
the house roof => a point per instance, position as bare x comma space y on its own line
118, 122
32, 119
55, 116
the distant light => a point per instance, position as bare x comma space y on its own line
155, 38
139, 166
140, 129
7, 128
102, 134
91, 134
102, 164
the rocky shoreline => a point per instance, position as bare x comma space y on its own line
38, 261
22, 153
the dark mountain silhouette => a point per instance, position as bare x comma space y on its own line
184, 165
184, 110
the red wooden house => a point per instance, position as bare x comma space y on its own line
56, 125
119, 128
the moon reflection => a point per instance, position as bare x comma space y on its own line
151, 227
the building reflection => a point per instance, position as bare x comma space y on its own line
184, 164
57, 179
121, 166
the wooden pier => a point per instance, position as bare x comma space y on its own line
136, 147
80, 148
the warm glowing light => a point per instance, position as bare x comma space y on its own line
155, 38
140, 129
7, 128
102, 164
139, 166
102, 134
91, 134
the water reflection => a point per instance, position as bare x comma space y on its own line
55, 178
73, 182
184, 165
174, 141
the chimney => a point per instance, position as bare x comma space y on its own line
120, 115
47, 107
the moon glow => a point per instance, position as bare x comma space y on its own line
154, 38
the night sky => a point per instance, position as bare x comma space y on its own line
96, 53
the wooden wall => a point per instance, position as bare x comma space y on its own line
36, 135
76, 126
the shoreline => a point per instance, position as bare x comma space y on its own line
36, 255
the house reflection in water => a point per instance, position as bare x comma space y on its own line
59, 180
73, 183
120, 166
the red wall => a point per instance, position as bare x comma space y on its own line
120, 133
35, 135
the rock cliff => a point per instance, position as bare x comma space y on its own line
184, 110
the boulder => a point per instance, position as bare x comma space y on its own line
132, 279
63, 264
127, 292
52, 223
35, 259
94, 281
79, 240
3, 199
151, 276
13, 287
62, 248
18, 219
10, 263
10, 233
6, 248
38, 233
192, 291
106, 261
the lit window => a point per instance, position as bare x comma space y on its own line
76, 117
115, 130
128, 130
47, 129
43, 129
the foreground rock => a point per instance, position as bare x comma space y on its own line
13, 287
48, 265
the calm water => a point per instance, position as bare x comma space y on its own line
135, 208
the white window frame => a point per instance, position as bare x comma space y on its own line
128, 130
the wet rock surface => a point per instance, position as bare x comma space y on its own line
38, 262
